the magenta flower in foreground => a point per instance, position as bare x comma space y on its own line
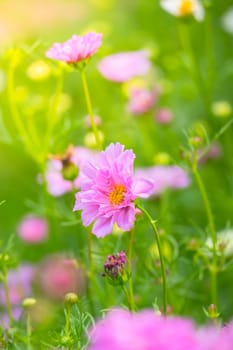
121, 330
124, 66
76, 49
108, 191
164, 177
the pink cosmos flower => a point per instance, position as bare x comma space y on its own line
141, 101
58, 275
124, 66
76, 49
163, 177
108, 191
122, 330
33, 229
57, 185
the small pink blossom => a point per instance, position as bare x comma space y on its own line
33, 229
164, 116
57, 185
76, 49
141, 101
122, 330
108, 191
214, 152
57, 276
124, 66
164, 177
87, 121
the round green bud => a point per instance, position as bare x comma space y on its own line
28, 303
71, 299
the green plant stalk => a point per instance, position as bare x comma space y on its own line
7, 295
130, 282
28, 142
90, 109
28, 330
129, 299
52, 113
163, 272
194, 66
210, 218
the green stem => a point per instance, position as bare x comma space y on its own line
90, 109
28, 330
129, 299
67, 324
130, 283
157, 238
7, 295
192, 64
20, 126
213, 268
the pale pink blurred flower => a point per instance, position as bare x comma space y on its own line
20, 284
122, 330
33, 229
121, 67
183, 8
164, 116
141, 101
57, 185
108, 191
214, 152
76, 49
164, 177
16, 313
87, 121
58, 275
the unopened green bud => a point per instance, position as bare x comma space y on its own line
71, 299
69, 171
195, 141
28, 303
212, 312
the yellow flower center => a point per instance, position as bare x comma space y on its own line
117, 195
186, 7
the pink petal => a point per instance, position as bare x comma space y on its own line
102, 227
142, 188
126, 218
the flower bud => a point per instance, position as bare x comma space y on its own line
28, 303
71, 299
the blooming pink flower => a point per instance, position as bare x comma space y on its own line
122, 330
163, 177
57, 276
164, 116
123, 66
108, 191
33, 229
56, 184
76, 49
141, 101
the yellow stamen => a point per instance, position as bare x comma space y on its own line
116, 196
186, 7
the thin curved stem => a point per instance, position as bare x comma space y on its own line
210, 218
90, 109
130, 283
7, 295
163, 272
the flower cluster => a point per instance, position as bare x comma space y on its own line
114, 268
108, 191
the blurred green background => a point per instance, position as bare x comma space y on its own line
32, 26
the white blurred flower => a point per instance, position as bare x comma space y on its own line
224, 243
182, 8
227, 21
